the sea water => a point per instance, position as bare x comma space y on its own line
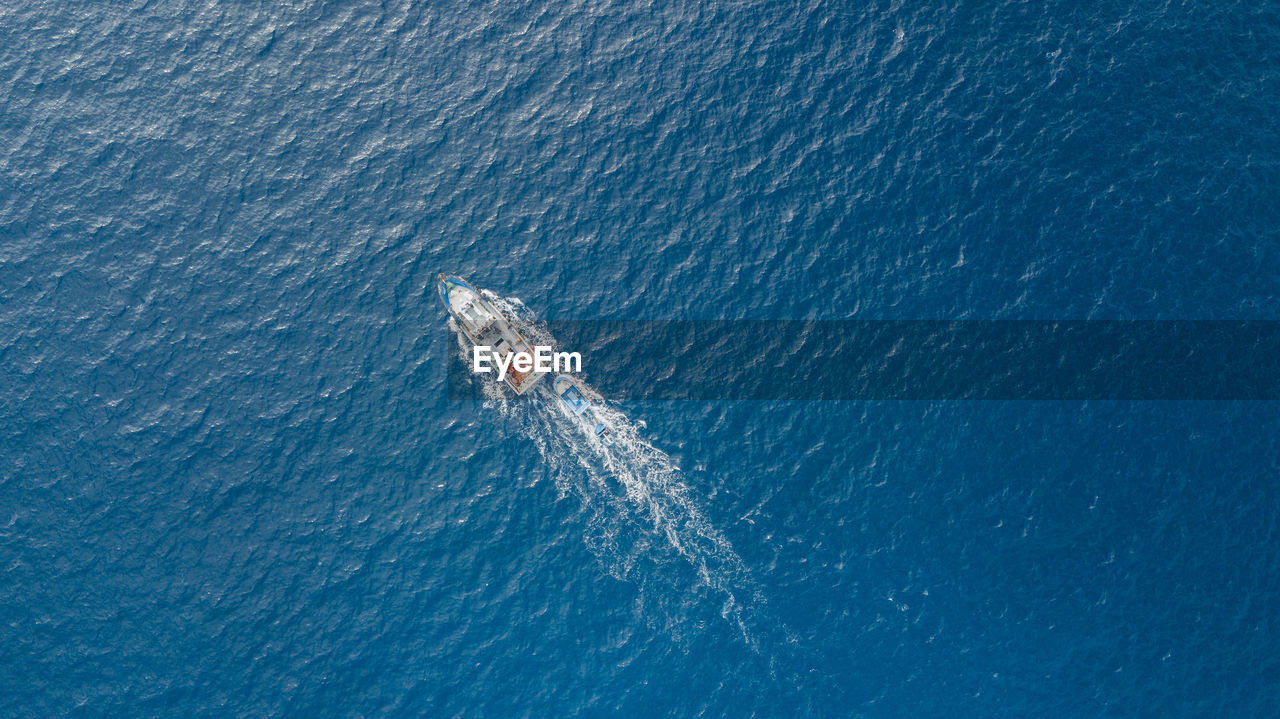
234, 483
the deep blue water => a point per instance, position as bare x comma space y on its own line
233, 485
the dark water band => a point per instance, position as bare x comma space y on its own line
918, 360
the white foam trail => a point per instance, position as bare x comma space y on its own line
642, 520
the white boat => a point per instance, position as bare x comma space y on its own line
484, 326
579, 407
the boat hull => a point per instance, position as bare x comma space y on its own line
484, 326
577, 403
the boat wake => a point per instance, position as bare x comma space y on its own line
640, 518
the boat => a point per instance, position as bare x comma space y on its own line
579, 406
484, 326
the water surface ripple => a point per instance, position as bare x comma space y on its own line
233, 484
